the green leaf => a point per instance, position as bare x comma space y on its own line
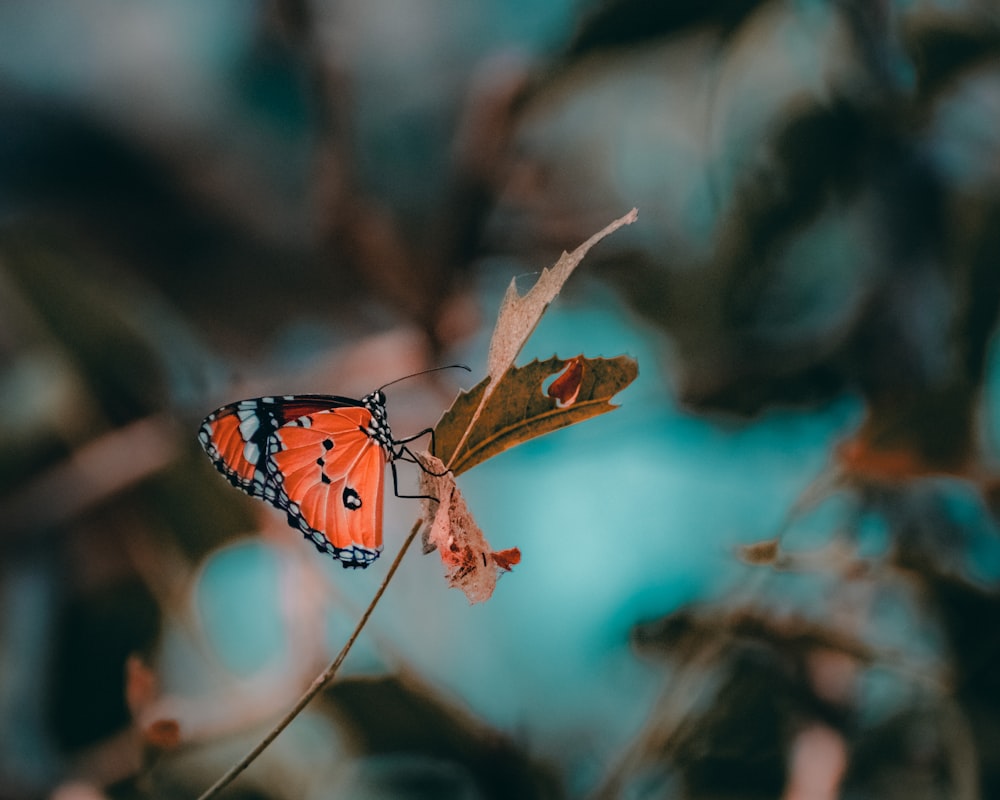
518, 409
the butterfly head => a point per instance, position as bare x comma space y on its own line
379, 427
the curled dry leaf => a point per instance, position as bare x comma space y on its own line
475, 429
470, 564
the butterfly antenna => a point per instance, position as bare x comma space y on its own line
424, 372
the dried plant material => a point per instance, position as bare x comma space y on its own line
510, 406
142, 686
476, 428
566, 387
506, 559
519, 315
163, 734
759, 553
792, 634
470, 564
142, 696
863, 459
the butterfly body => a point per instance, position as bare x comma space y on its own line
319, 458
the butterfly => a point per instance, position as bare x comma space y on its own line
319, 458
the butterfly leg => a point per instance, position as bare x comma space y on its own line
395, 485
405, 454
415, 436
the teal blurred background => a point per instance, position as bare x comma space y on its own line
772, 572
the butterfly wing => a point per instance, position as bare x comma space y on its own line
236, 436
328, 474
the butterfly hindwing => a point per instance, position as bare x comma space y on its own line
329, 474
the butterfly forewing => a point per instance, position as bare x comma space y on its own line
235, 436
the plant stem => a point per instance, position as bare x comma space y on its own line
321, 680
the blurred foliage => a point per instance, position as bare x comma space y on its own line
200, 202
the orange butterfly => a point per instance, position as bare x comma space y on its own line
319, 458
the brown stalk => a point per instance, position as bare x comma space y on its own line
321, 680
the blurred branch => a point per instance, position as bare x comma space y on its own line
684, 692
92, 474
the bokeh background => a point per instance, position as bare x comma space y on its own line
773, 572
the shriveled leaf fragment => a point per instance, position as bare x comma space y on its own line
142, 696
506, 559
759, 553
519, 315
142, 686
566, 387
473, 430
470, 564
163, 734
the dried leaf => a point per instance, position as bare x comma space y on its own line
142, 686
142, 693
163, 734
509, 407
506, 559
519, 315
470, 564
758, 553
865, 460
474, 429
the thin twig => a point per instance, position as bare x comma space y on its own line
681, 694
321, 680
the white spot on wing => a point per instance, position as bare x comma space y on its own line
251, 452
248, 425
